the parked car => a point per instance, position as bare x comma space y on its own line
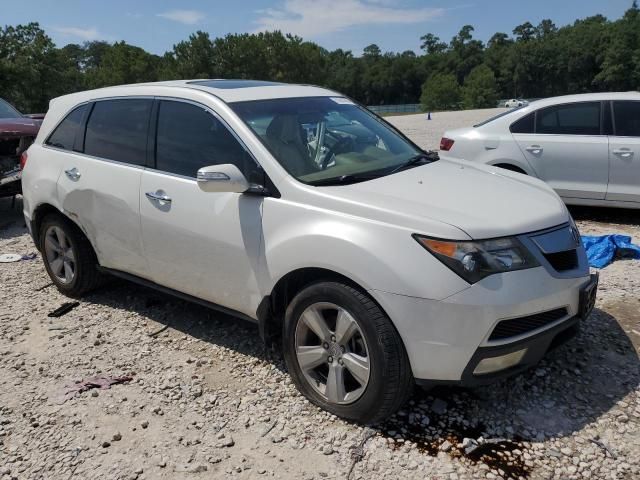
514, 102
374, 264
17, 133
587, 147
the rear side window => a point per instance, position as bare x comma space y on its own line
525, 125
64, 135
627, 118
189, 137
117, 130
571, 119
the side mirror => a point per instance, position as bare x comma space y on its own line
222, 178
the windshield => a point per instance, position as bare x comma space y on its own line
317, 139
7, 111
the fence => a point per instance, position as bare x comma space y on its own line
405, 108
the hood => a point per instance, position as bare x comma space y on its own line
484, 202
18, 127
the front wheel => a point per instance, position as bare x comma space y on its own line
344, 354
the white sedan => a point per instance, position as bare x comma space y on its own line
587, 147
514, 102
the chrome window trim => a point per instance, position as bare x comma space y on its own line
91, 157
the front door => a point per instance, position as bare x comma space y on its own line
624, 153
207, 245
568, 150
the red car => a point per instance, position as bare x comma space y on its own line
17, 132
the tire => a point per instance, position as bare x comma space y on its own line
85, 275
389, 382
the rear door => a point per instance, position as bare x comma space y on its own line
205, 244
624, 153
568, 149
99, 186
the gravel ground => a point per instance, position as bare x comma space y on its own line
207, 400
427, 133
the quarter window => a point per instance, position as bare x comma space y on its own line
524, 125
571, 119
627, 118
189, 137
64, 135
117, 130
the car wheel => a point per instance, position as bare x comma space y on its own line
344, 354
68, 256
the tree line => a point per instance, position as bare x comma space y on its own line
592, 54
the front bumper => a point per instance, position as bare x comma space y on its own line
447, 339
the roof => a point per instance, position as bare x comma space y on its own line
585, 97
225, 89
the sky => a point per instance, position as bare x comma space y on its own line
394, 25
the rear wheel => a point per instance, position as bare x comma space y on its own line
344, 354
68, 256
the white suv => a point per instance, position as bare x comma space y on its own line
587, 147
374, 264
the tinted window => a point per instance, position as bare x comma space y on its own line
117, 130
189, 138
65, 133
572, 119
524, 125
627, 118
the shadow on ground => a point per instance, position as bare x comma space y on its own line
573, 386
620, 216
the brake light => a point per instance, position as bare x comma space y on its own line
23, 160
446, 144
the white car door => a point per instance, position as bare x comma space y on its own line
624, 153
205, 244
566, 147
99, 186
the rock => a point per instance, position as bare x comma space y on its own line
439, 406
106, 444
116, 437
144, 424
327, 450
195, 468
446, 446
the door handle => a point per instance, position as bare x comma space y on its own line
623, 152
535, 149
73, 173
158, 197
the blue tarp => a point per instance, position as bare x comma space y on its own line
602, 250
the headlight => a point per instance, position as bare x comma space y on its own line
475, 260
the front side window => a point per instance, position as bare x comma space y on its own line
627, 118
571, 119
117, 130
64, 135
189, 137
321, 139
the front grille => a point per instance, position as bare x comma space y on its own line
562, 261
519, 326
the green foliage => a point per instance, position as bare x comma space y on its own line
592, 54
440, 92
479, 90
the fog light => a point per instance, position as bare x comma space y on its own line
494, 364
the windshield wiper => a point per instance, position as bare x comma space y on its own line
343, 180
415, 161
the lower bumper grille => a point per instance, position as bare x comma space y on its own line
562, 261
519, 326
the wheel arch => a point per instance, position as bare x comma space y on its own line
271, 309
41, 212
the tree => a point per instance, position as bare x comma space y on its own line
479, 90
431, 44
440, 92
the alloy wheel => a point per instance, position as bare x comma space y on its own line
332, 352
60, 255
